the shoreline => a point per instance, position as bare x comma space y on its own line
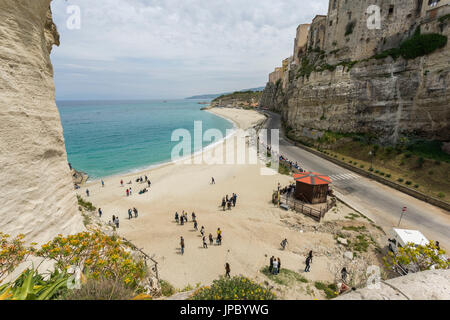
152, 167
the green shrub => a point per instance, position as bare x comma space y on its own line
330, 290
417, 46
441, 195
167, 289
400, 180
85, 204
408, 183
382, 173
361, 166
420, 162
422, 44
416, 186
388, 175
371, 169
240, 288
377, 171
101, 290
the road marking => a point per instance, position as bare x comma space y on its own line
343, 176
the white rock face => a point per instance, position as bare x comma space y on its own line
428, 285
36, 191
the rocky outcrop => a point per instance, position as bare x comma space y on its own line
36, 191
244, 99
428, 285
386, 98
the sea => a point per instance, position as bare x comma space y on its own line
107, 138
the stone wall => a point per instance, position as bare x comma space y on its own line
36, 191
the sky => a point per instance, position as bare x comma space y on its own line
170, 49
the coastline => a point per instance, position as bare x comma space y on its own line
150, 168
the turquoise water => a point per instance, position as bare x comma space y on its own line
105, 138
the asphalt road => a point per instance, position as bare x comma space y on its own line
377, 201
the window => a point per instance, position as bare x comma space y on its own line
433, 3
391, 10
334, 4
331, 23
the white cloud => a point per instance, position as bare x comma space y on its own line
174, 48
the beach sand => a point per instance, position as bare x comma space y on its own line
252, 231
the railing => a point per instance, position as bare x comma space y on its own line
154, 268
301, 207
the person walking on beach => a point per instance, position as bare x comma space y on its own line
223, 204
195, 225
279, 265
229, 204
121, 183
284, 244
103, 183
202, 231
213, 181
182, 220
176, 217
227, 270
205, 245
130, 216
211, 239
128, 192
117, 222
219, 240
194, 217
87, 192
182, 245
234, 199
149, 183
310, 255
135, 212
100, 212
308, 264
344, 274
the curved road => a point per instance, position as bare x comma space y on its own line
380, 203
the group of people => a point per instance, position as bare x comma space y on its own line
114, 221
183, 218
290, 189
227, 202
284, 159
275, 265
130, 213
203, 235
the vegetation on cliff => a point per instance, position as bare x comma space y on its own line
241, 99
236, 288
416, 46
104, 262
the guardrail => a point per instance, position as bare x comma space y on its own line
301, 207
416, 194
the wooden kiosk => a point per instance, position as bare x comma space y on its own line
312, 187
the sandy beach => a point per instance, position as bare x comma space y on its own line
252, 231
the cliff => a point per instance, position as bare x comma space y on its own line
240, 99
36, 191
428, 285
350, 84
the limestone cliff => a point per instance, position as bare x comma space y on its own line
36, 189
338, 86
428, 285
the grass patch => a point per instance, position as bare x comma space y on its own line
167, 289
286, 277
355, 229
85, 204
330, 290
